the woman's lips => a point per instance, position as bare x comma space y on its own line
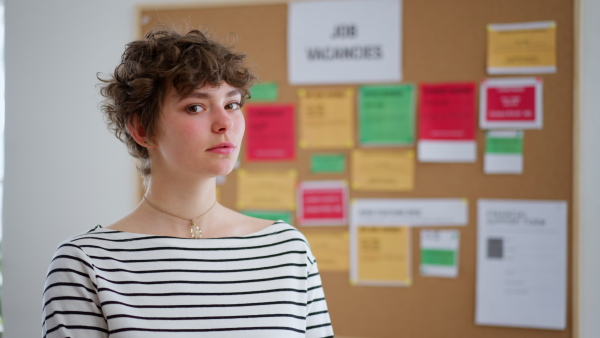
223, 148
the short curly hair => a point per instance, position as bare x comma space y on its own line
150, 67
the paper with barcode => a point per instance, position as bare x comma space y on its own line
521, 263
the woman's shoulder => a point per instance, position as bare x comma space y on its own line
71, 253
96, 232
75, 238
282, 229
286, 232
91, 237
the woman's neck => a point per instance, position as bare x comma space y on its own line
185, 199
169, 206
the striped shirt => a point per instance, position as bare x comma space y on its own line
111, 283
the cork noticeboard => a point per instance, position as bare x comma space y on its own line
442, 41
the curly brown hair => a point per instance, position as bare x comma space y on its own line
149, 68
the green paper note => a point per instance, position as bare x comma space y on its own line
387, 115
439, 253
285, 216
504, 142
266, 92
328, 163
438, 257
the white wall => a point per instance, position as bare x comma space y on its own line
589, 171
65, 172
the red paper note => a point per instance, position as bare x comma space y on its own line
514, 103
322, 203
270, 133
447, 111
447, 123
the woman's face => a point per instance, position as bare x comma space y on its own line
199, 134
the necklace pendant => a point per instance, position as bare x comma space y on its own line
196, 231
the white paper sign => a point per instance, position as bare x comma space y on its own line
522, 263
410, 212
344, 42
439, 253
448, 151
503, 152
513, 103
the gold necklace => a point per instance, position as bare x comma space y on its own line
194, 229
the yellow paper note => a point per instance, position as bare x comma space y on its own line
330, 247
383, 170
326, 118
384, 254
266, 189
522, 48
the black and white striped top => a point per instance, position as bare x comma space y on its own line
111, 283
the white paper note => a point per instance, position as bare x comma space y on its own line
521, 263
410, 212
439, 253
344, 41
503, 152
447, 151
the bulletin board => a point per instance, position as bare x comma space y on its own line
442, 41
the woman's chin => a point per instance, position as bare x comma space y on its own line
222, 170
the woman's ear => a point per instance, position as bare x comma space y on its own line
138, 132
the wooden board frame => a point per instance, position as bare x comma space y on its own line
442, 41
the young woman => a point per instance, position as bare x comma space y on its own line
180, 264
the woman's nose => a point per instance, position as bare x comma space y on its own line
222, 121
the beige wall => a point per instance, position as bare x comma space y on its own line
588, 170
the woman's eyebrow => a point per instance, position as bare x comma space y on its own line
234, 92
205, 95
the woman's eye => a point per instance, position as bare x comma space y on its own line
194, 109
233, 106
